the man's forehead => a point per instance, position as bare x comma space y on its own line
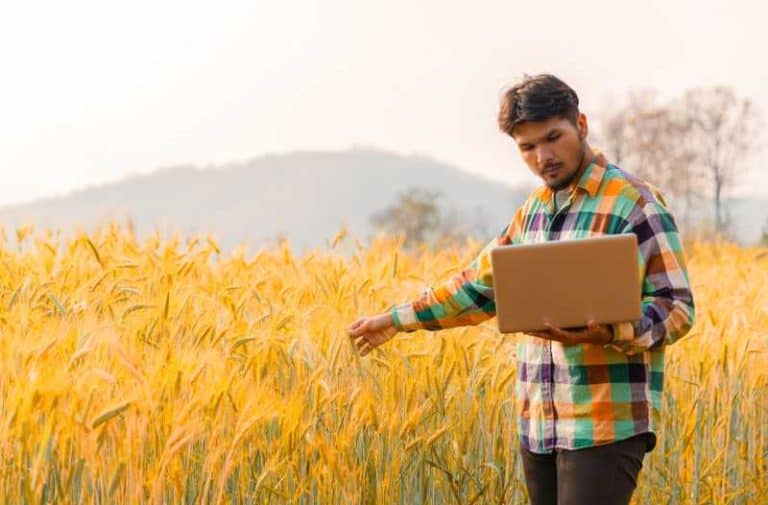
532, 131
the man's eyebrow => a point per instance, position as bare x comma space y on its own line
555, 129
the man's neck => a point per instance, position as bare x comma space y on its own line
585, 162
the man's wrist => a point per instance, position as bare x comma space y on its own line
606, 335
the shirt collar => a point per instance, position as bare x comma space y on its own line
591, 178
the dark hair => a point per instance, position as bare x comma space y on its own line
537, 98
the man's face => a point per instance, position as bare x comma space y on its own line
553, 149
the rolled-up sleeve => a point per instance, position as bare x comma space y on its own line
668, 309
465, 299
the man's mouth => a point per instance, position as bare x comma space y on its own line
551, 170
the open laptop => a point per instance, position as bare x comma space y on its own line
566, 282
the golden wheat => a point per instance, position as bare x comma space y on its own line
163, 371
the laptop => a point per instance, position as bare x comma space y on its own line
566, 282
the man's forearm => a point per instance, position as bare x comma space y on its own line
458, 302
465, 299
668, 309
664, 321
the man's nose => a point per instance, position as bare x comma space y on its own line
544, 156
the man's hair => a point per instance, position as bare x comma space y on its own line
537, 98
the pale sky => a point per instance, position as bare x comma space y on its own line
92, 91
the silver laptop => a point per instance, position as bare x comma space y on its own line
566, 282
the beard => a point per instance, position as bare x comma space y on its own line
571, 177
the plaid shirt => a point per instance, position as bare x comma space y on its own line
581, 395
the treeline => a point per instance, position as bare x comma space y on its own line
694, 147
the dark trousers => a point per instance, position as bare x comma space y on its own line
601, 475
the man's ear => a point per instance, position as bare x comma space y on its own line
582, 126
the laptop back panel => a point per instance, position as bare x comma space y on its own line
566, 282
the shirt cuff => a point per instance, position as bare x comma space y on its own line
404, 317
623, 332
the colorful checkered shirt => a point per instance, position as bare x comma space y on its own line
576, 396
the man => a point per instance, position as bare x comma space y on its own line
585, 396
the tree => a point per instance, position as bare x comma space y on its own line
650, 140
619, 128
417, 214
723, 127
455, 228
414, 213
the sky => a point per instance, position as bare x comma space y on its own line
95, 91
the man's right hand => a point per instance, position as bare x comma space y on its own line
369, 332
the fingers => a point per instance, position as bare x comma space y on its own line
356, 323
367, 336
564, 336
572, 332
368, 342
364, 346
357, 328
360, 334
592, 333
555, 330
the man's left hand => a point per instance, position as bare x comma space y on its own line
593, 333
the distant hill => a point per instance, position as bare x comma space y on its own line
304, 196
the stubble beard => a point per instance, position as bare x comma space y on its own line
572, 176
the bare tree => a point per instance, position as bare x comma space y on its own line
651, 141
723, 128
612, 134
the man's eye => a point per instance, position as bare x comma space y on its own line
554, 137
525, 148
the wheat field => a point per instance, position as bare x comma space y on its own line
165, 371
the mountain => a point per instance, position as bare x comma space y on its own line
304, 196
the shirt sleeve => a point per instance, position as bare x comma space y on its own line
668, 309
465, 299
